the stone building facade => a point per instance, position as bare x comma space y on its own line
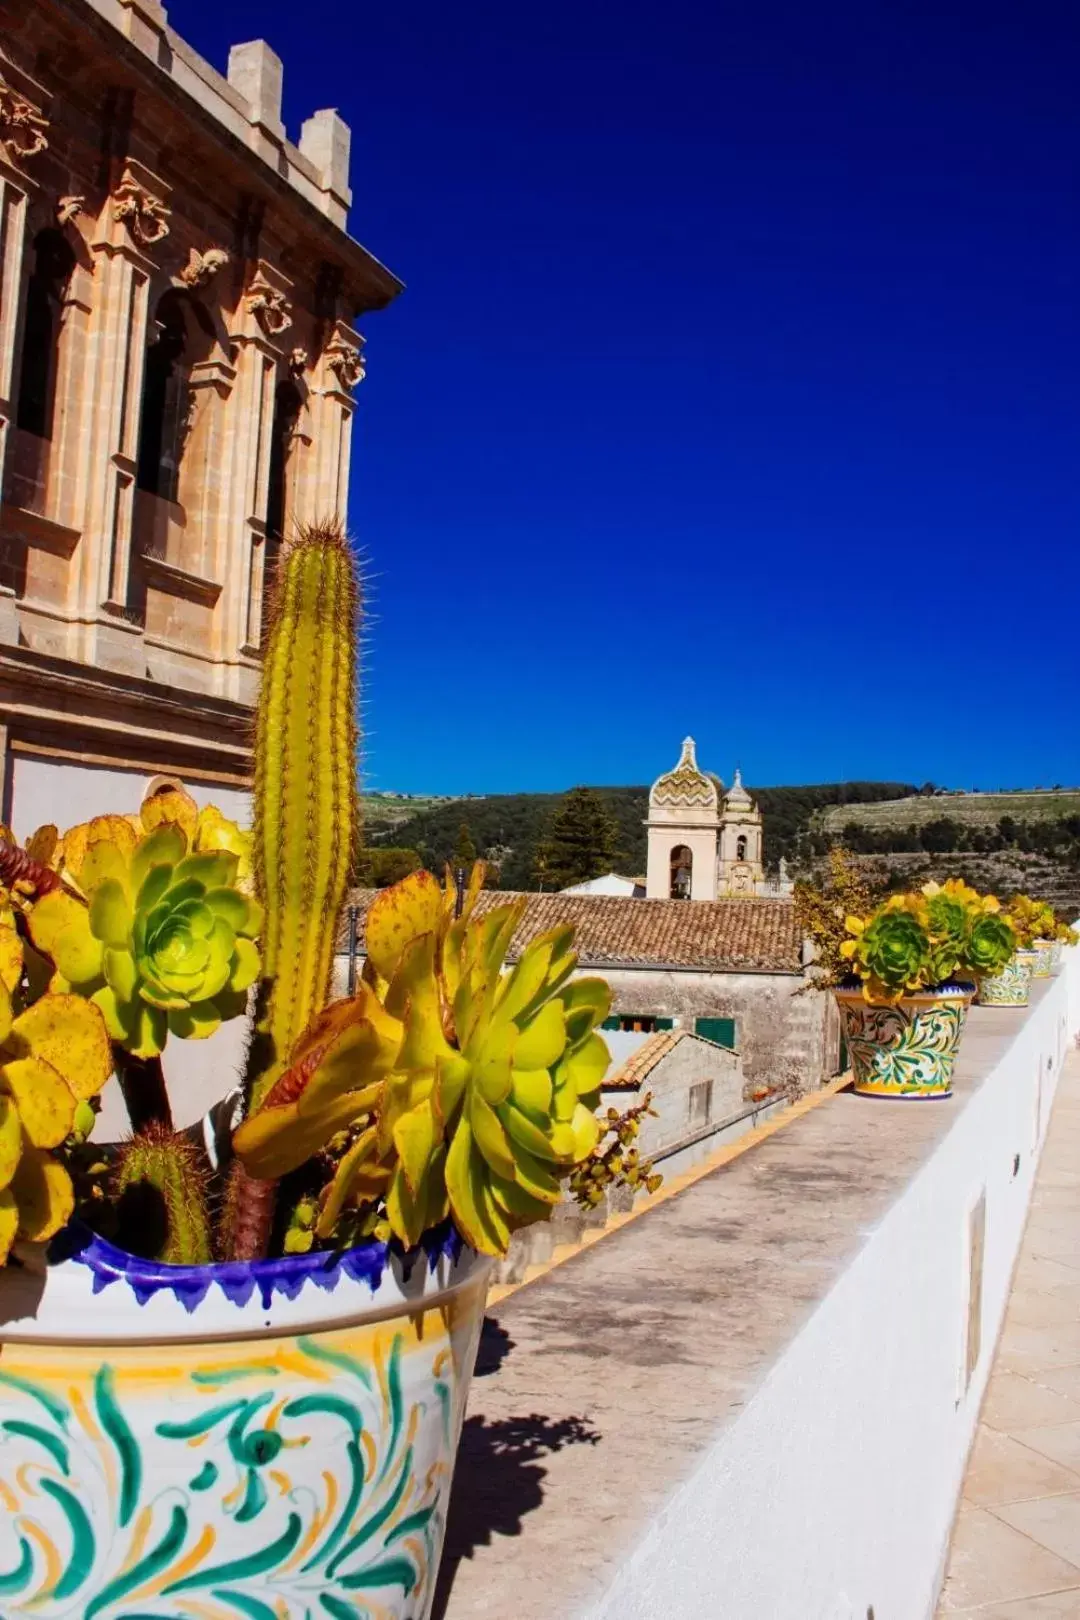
178, 366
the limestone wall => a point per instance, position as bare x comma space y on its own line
775, 1027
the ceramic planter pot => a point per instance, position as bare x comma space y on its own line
1057, 951
1011, 987
1043, 949
906, 1050
272, 1440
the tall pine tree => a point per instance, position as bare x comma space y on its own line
580, 841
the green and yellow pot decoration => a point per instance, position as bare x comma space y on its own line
914, 961
1012, 986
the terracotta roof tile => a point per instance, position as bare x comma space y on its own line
735, 935
629, 1075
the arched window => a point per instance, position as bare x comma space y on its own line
165, 401
740, 847
682, 872
287, 407
53, 263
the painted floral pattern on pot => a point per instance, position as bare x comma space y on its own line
1057, 951
302, 1477
1043, 950
1010, 987
904, 1050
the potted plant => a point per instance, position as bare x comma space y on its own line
1063, 935
234, 1360
1035, 926
903, 978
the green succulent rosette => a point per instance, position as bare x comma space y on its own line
892, 952
164, 943
990, 944
948, 922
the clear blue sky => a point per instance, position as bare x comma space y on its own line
735, 387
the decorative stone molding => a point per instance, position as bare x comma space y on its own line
343, 357
268, 304
145, 216
22, 130
201, 268
298, 359
69, 209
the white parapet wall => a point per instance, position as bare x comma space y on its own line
831, 1495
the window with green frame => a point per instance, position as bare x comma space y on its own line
648, 1023
720, 1030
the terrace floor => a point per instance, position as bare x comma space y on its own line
1016, 1543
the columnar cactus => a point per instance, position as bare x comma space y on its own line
305, 790
160, 1193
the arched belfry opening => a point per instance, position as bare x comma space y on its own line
681, 881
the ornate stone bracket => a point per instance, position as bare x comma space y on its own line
201, 268
298, 359
135, 206
268, 304
343, 357
68, 209
22, 130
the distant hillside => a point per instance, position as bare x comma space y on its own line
506, 828
975, 810
380, 813
998, 841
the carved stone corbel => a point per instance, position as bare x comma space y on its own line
343, 357
135, 206
68, 209
268, 304
22, 130
201, 268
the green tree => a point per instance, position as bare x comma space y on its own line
580, 841
464, 849
382, 867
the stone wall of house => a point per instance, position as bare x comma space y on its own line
694, 1086
776, 1030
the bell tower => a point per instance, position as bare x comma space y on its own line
740, 868
683, 827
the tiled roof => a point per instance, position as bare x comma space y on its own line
629, 1076
717, 936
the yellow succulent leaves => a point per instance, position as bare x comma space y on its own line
54, 1054
472, 1087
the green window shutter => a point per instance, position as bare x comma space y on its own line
611, 1023
720, 1030
665, 1023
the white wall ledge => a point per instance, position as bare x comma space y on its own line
751, 1402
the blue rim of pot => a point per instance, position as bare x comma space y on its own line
239, 1279
949, 987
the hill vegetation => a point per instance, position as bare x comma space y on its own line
510, 829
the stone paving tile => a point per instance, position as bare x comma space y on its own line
990, 1562
1057, 1606
1051, 1521
1018, 1509
1031, 1350
1001, 1470
1016, 1402
1059, 1441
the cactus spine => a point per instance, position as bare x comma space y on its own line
305, 790
160, 1194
